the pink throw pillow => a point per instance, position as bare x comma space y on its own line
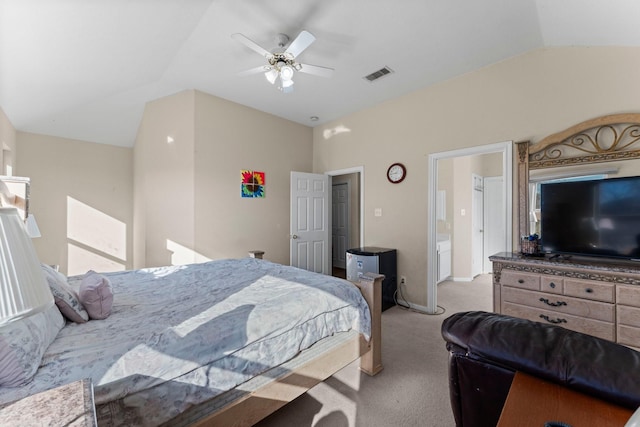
96, 295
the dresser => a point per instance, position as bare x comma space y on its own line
596, 297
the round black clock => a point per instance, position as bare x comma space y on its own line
396, 173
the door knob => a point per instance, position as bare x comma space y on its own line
293, 236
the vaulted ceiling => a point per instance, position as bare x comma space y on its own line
84, 69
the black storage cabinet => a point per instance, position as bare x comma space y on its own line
369, 259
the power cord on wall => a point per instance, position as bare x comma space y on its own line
407, 306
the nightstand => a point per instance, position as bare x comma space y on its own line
67, 405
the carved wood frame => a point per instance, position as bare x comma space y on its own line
603, 139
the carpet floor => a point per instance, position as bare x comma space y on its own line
412, 390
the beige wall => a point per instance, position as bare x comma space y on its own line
164, 181
485, 165
189, 191
7, 145
524, 98
81, 196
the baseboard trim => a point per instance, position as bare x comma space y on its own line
461, 279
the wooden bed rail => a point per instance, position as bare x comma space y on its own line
256, 405
370, 285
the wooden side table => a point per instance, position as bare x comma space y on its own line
532, 402
69, 405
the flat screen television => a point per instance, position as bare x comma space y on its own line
592, 218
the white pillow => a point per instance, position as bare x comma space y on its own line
96, 295
65, 297
23, 343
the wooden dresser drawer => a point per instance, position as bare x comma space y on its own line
560, 304
628, 330
590, 289
552, 284
520, 280
628, 295
605, 330
629, 336
628, 316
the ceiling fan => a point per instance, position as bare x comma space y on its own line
281, 64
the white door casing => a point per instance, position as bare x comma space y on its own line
310, 222
506, 148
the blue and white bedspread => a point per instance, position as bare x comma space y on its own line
181, 335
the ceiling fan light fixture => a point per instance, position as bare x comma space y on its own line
286, 73
287, 83
271, 75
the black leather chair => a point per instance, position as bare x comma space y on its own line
486, 349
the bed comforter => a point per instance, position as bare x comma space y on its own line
181, 335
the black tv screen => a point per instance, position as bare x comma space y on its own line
593, 218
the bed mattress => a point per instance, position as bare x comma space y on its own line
182, 335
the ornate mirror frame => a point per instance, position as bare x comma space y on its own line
603, 139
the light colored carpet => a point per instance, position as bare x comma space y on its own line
412, 390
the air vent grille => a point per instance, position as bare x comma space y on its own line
378, 74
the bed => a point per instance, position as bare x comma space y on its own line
224, 342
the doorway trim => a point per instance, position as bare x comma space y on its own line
360, 170
506, 148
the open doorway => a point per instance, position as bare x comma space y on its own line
439, 161
346, 209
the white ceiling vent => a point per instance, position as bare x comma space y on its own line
380, 73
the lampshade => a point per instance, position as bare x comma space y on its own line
23, 288
271, 75
32, 227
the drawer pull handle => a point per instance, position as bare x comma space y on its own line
553, 304
589, 290
520, 280
552, 285
555, 321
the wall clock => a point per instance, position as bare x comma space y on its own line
396, 173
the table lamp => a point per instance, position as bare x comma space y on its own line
23, 287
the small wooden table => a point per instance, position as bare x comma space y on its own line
67, 405
532, 402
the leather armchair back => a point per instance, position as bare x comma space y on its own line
486, 349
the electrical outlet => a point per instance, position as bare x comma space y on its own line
403, 280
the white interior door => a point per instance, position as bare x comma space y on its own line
494, 221
310, 222
477, 206
340, 224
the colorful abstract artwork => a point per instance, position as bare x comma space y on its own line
252, 184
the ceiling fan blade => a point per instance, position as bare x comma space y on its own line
300, 43
316, 70
251, 44
256, 70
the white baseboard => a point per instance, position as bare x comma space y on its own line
461, 279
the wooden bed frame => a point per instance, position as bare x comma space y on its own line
255, 406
